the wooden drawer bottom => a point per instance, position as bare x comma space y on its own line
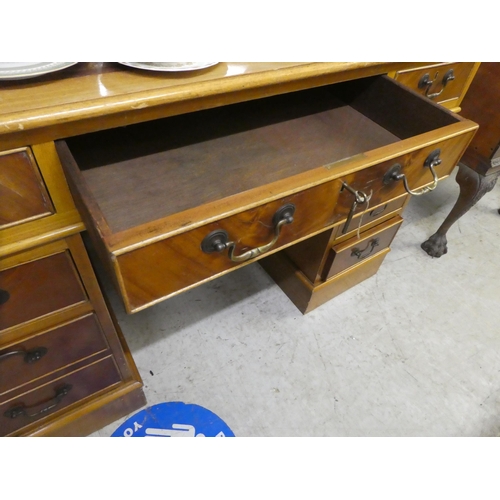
46, 400
307, 296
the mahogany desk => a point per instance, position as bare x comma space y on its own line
182, 177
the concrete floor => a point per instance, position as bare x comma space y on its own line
413, 351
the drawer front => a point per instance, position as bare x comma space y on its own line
166, 267
46, 400
434, 81
356, 250
37, 288
374, 182
43, 354
371, 215
22, 191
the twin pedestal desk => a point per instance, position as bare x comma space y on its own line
180, 178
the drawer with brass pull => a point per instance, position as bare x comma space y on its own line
415, 173
371, 216
41, 402
355, 250
47, 352
445, 83
172, 203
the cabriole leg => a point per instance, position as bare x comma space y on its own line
472, 188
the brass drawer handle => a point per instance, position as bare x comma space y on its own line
359, 198
426, 83
21, 409
395, 174
371, 245
218, 240
4, 296
29, 356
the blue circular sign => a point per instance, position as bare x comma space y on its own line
174, 419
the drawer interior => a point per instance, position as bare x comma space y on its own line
145, 172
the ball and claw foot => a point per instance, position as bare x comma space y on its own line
436, 245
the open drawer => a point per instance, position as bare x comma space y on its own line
175, 202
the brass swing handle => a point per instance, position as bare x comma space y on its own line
218, 240
426, 83
360, 254
395, 174
29, 356
21, 409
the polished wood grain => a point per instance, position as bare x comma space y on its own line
325, 166
350, 253
102, 410
371, 180
150, 193
306, 296
453, 93
155, 272
84, 382
60, 347
97, 96
19, 331
63, 218
215, 154
481, 105
33, 291
80, 332
312, 254
135, 238
372, 214
22, 191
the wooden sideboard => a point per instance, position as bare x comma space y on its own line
180, 178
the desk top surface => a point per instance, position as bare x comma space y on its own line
94, 96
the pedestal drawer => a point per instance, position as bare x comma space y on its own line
151, 193
46, 400
384, 182
371, 215
37, 288
355, 250
22, 191
49, 351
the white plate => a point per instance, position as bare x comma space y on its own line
169, 66
21, 70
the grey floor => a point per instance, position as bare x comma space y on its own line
413, 351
